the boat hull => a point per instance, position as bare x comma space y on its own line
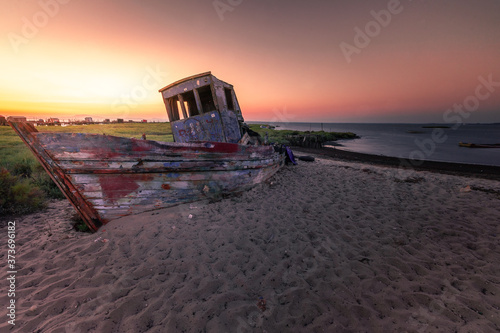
107, 177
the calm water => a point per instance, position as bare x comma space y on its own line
398, 140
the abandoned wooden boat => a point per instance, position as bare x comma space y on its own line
106, 177
479, 145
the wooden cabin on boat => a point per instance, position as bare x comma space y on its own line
203, 108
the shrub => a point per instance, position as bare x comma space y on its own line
18, 196
78, 224
42, 180
23, 168
6, 183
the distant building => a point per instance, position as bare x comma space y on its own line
88, 119
106, 121
144, 121
3, 121
119, 120
130, 121
53, 120
16, 118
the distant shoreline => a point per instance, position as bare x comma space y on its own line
462, 169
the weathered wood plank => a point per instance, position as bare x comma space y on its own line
111, 146
90, 182
95, 183
73, 167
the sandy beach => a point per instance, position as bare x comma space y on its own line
329, 246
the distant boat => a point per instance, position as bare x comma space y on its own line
106, 177
479, 145
435, 126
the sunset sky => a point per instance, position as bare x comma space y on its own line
289, 61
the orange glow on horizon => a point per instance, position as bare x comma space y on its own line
81, 62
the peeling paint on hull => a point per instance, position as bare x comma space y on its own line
106, 177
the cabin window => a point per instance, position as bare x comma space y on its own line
190, 104
206, 98
229, 99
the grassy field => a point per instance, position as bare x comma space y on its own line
153, 131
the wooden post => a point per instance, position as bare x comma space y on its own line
198, 101
169, 110
181, 100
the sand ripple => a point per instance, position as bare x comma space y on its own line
331, 246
